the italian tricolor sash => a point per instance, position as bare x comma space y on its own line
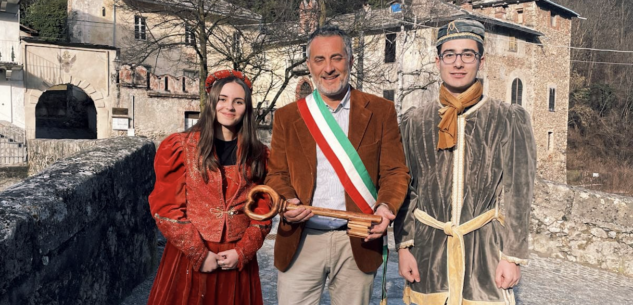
345, 160
339, 151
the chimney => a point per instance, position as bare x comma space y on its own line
308, 16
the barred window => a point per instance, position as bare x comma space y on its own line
190, 37
513, 47
140, 28
237, 43
390, 48
552, 99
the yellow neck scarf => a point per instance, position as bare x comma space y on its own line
453, 106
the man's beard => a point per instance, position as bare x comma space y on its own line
335, 92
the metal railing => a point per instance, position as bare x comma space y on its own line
12, 145
10, 51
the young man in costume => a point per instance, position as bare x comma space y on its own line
462, 233
338, 148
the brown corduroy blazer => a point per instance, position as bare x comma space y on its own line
374, 132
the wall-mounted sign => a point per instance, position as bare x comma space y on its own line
120, 123
120, 112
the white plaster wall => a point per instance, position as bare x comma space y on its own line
12, 90
12, 99
91, 70
88, 25
10, 34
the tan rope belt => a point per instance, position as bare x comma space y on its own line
455, 247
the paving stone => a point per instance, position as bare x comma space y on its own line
544, 281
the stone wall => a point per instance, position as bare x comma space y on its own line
44, 152
80, 232
583, 226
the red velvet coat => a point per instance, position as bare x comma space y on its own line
189, 211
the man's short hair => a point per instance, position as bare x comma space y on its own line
328, 31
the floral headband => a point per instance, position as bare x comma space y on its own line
224, 74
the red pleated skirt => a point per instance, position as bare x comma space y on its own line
177, 284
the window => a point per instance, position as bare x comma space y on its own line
190, 37
191, 118
390, 48
517, 92
552, 99
550, 141
520, 16
388, 94
191, 74
553, 20
140, 28
103, 12
305, 90
513, 44
237, 43
304, 50
166, 83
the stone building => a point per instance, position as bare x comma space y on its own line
81, 88
527, 60
536, 72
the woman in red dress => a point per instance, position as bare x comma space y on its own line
202, 179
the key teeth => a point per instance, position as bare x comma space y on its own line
358, 229
282, 205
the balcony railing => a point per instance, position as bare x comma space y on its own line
13, 149
10, 51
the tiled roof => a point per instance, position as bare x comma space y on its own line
218, 7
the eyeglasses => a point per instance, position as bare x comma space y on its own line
468, 57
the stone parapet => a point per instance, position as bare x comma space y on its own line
583, 226
44, 152
80, 231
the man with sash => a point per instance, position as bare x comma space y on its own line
462, 232
338, 148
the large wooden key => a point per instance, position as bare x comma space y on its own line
358, 224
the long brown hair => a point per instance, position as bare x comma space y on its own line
251, 156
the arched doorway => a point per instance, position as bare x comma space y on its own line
304, 88
65, 112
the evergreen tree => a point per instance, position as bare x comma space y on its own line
48, 17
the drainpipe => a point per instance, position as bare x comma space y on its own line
114, 25
11, 101
130, 131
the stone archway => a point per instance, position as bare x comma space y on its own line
96, 122
65, 112
304, 88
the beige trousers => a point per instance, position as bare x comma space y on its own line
324, 255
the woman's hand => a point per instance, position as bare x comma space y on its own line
228, 259
210, 263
